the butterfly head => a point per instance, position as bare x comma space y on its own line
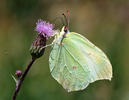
65, 30
61, 35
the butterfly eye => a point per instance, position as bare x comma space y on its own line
66, 29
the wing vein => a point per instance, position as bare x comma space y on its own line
57, 59
74, 58
71, 72
66, 64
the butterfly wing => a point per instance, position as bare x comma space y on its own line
78, 62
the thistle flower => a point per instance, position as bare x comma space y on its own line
44, 28
37, 49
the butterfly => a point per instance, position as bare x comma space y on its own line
75, 62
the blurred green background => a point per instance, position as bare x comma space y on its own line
104, 22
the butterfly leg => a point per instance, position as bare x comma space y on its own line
64, 36
47, 45
60, 43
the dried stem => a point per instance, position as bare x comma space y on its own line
18, 85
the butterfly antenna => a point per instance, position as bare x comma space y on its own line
67, 21
68, 18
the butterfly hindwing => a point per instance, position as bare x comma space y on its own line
67, 70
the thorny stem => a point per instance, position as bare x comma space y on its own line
18, 85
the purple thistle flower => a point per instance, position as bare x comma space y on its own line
44, 28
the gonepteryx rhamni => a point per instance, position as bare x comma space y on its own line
75, 62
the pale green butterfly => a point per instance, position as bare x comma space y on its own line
75, 62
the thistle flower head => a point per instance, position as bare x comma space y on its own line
44, 28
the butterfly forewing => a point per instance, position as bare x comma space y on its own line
89, 54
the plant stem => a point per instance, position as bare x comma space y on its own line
18, 85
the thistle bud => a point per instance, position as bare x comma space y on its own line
44, 30
18, 73
36, 49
